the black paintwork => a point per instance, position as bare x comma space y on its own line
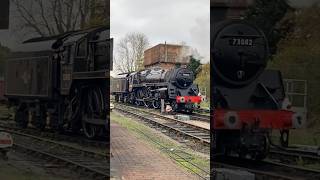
45, 75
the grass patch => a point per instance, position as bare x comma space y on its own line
205, 104
310, 137
313, 166
165, 145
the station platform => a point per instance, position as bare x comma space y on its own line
133, 158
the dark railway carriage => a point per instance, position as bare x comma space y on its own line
149, 86
247, 98
61, 82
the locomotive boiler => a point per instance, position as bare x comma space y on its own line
61, 82
247, 98
149, 86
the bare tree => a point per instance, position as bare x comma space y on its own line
130, 52
51, 17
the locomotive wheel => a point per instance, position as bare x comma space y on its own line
138, 103
71, 118
148, 104
156, 104
175, 106
242, 153
125, 99
131, 99
94, 107
72, 111
89, 130
189, 111
264, 152
21, 117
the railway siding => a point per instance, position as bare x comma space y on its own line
95, 164
196, 137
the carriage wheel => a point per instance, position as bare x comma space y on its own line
21, 117
41, 120
94, 106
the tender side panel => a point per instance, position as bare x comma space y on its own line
119, 85
29, 76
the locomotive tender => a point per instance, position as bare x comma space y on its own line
147, 87
61, 82
247, 98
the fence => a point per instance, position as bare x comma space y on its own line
297, 91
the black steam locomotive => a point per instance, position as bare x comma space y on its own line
61, 82
149, 86
248, 99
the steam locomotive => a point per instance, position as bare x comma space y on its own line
149, 86
61, 82
248, 99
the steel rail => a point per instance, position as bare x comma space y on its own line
185, 131
267, 169
95, 163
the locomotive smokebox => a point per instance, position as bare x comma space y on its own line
184, 78
240, 52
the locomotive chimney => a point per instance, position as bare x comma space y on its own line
228, 9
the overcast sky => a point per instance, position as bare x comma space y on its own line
173, 21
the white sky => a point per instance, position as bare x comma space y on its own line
172, 21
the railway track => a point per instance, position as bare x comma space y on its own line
293, 155
92, 163
66, 137
202, 111
194, 116
177, 129
200, 117
268, 169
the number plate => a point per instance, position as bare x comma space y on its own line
241, 42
